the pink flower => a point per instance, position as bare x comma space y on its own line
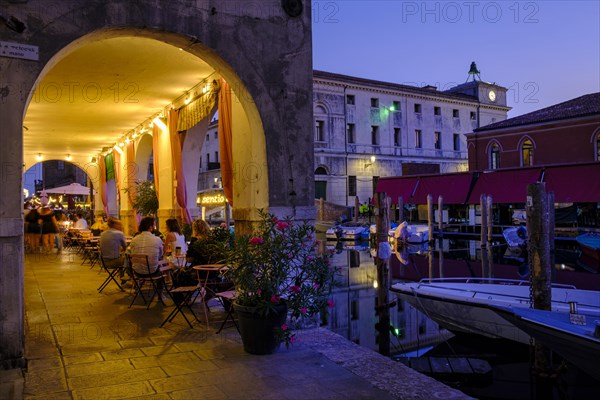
295, 289
316, 285
275, 220
290, 256
303, 310
330, 303
257, 240
258, 292
282, 225
284, 327
275, 298
293, 339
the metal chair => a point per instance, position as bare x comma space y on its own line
182, 296
112, 272
151, 280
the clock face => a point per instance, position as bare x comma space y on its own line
492, 95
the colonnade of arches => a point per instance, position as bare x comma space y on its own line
266, 82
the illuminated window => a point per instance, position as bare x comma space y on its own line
527, 153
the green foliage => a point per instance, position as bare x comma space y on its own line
280, 262
146, 200
212, 249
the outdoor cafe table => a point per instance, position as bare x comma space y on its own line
204, 284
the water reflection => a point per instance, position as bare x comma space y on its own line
356, 296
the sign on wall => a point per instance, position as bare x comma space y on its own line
18, 50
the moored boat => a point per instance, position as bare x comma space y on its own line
346, 231
466, 305
576, 337
590, 246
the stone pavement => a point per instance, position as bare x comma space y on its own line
81, 344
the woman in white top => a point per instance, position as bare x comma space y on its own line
174, 238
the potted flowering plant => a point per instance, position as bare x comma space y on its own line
279, 277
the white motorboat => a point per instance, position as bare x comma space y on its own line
346, 231
575, 336
466, 305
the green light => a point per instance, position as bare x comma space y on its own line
392, 108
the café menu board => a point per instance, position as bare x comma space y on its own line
17, 50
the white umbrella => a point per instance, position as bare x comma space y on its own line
73, 188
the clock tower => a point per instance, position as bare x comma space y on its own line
485, 92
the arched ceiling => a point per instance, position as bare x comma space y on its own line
102, 90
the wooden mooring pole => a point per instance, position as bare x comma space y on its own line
382, 221
400, 210
538, 233
483, 237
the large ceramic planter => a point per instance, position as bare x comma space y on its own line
259, 332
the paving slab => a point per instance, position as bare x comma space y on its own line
81, 344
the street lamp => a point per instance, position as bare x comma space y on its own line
368, 164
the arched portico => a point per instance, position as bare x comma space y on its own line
265, 56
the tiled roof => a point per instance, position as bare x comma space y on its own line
586, 105
392, 86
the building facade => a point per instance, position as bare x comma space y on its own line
564, 133
366, 129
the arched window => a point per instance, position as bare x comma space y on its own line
320, 171
527, 153
494, 157
598, 146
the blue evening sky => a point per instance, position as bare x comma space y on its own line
544, 52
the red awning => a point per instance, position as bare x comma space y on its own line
505, 186
453, 187
574, 183
400, 186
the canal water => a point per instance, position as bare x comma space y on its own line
414, 334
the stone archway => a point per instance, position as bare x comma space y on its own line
261, 51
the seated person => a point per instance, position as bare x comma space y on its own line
174, 239
80, 222
145, 242
98, 226
112, 246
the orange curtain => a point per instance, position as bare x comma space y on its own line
225, 140
131, 172
103, 194
117, 166
176, 146
155, 133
